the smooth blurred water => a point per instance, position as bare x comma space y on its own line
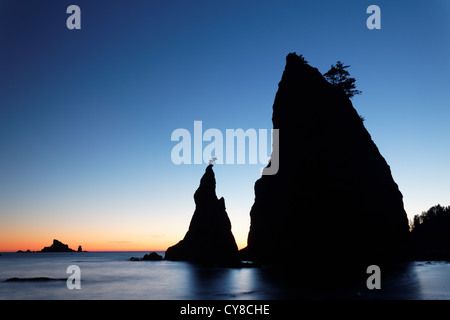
110, 275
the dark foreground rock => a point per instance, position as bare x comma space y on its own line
333, 200
209, 238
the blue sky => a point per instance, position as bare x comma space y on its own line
86, 115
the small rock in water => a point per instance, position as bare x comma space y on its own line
148, 257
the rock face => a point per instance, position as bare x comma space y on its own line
57, 246
209, 238
333, 196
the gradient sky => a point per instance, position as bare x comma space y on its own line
86, 115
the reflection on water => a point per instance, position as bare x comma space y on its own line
397, 282
109, 275
433, 278
223, 283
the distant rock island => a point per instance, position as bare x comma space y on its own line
209, 238
27, 251
333, 197
148, 257
57, 246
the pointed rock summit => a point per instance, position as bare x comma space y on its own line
333, 198
209, 238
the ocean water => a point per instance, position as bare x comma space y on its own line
110, 275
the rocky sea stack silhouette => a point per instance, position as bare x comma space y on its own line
209, 238
333, 198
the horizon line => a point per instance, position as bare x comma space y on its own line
38, 251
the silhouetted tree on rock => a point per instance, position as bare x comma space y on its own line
339, 77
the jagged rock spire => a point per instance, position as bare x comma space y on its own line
209, 238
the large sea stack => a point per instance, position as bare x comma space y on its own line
333, 198
209, 238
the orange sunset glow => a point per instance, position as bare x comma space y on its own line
34, 238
